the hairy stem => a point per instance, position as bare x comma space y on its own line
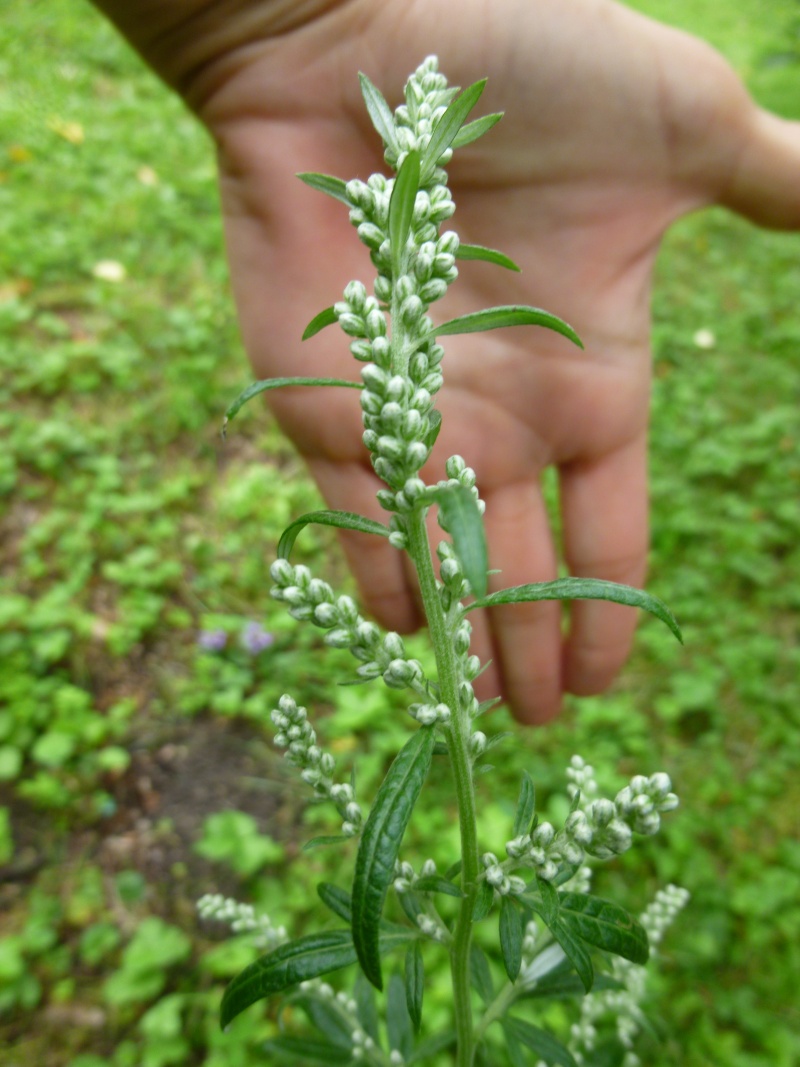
458, 744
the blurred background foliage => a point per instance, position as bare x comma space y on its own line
134, 549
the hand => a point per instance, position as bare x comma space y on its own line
615, 126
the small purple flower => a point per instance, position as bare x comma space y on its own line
255, 638
212, 640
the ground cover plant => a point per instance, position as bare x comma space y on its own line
113, 385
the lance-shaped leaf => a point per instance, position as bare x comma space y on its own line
380, 844
506, 315
401, 208
484, 899
425, 1051
343, 520
326, 317
296, 1050
324, 839
399, 1029
511, 934
548, 905
445, 130
487, 255
582, 589
336, 899
326, 183
324, 1016
561, 982
605, 925
473, 130
526, 806
379, 111
539, 1041
366, 1006
279, 383
435, 883
480, 974
463, 520
435, 421
415, 984
288, 965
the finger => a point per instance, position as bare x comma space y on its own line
526, 637
764, 183
604, 509
377, 567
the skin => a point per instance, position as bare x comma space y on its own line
615, 127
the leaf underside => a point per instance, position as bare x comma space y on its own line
343, 520
379, 111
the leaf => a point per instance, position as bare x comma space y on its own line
582, 589
380, 844
483, 902
326, 183
401, 209
540, 1041
285, 966
445, 130
279, 383
506, 315
324, 839
366, 1007
575, 952
379, 111
435, 883
326, 317
435, 420
325, 1018
526, 805
306, 1050
398, 1020
511, 934
487, 255
516, 1056
605, 925
561, 982
432, 1046
415, 984
462, 518
343, 520
473, 130
295, 962
480, 975
336, 899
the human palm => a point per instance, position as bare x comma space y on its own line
615, 126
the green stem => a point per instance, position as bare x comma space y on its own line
459, 734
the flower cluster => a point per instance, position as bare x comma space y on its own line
602, 828
298, 737
381, 655
242, 918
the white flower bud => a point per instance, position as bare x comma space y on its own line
338, 638
394, 646
353, 812
547, 871
348, 829
443, 714
325, 614
417, 454
477, 744
543, 835
347, 610
372, 236
495, 876
398, 540
517, 846
428, 869
426, 715
516, 885
282, 572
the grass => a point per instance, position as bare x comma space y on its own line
126, 528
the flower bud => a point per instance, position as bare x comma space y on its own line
338, 638
433, 290
282, 572
347, 610
371, 235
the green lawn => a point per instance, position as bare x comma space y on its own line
126, 527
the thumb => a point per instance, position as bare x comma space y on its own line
764, 182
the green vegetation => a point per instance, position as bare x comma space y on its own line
127, 528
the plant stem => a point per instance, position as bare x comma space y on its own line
461, 762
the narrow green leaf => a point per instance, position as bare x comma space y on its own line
605, 925
583, 589
343, 520
459, 510
435, 883
473, 130
398, 1021
415, 984
480, 974
326, 183
561, 982
516, 1055
453, 871
326, 317
279, 383
324, 839
540, 1041
575, 952
401, 208
380, 844
487, 255
287, 965
508, 315
483, 902
379, 111
609, 1053
325, 1018
511, 934
296, 1050
445, 130
526, 805
366, 1007
336, 899
431, 1047
435, 419
411, 905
